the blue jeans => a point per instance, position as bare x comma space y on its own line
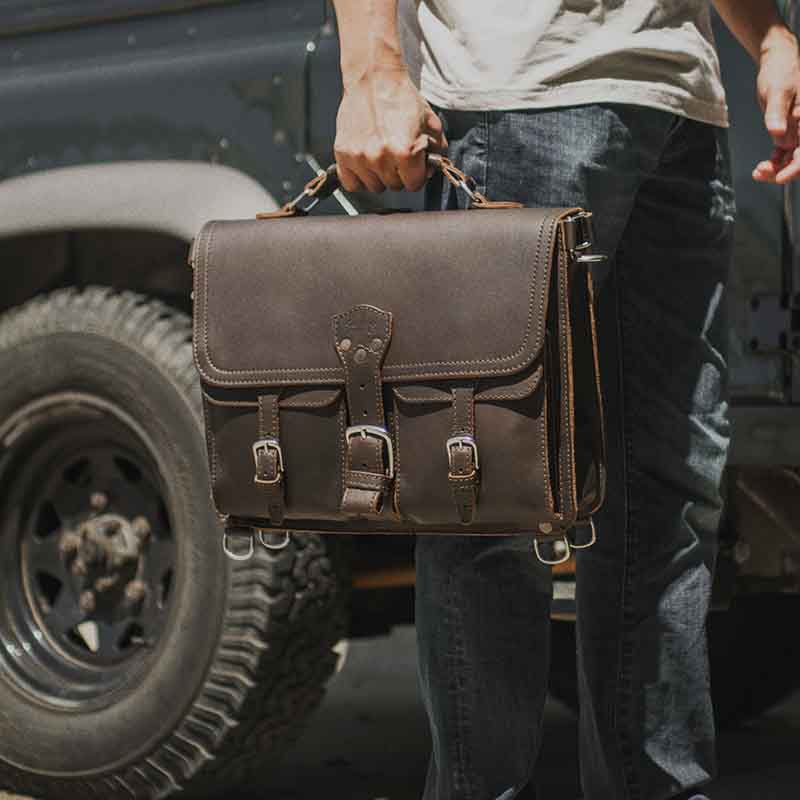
660, 188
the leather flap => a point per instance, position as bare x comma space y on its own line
495, 389
290, 398
467, 290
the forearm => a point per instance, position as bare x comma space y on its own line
368, 38
757, 24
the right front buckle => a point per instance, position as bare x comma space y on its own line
266, 445
463, 440
378, 433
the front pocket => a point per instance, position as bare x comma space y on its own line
513, 482
312, 424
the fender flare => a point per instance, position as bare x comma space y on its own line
172, 197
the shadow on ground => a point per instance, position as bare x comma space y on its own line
370, 741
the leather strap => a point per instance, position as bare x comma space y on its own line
362, 339
462, 455
268, 456
591, 503
326, 182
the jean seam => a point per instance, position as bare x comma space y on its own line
624, 688
486, 133
455, 644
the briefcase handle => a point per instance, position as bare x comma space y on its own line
327, 182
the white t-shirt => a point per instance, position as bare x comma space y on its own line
510, 54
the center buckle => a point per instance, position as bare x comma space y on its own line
464, 440
266, 445
378, 433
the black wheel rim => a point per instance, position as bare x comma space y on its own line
88, 551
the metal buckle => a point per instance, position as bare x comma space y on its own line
584, 238
553, 562
584, 231
268, 444
463, 440
280, 546
590, 542
378, 433
233, 556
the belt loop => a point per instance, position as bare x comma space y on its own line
268, 455
462, 455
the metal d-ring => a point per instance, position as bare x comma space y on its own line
590, 542
237, 556
553, 562
284, 543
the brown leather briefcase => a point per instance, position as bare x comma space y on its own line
401, 373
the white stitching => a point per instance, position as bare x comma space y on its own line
276, 374
288, 402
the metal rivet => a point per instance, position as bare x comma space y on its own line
345, 344
376, 345
361, 355
98, 501
545, 527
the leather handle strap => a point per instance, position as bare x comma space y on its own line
462, 455
324, 184
362, 337
589, 505
268, 456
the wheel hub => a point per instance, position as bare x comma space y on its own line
88, 555
105, 557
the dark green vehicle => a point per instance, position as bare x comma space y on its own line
135, 659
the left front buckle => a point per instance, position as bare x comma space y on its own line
266, 446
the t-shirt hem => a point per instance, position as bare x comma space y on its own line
601, 90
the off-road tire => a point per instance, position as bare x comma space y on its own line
249, 647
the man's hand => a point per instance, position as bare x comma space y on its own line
384, 126
383, 130
779, 95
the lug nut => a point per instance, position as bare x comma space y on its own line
141, 528
87, 602
69, 544
103, 584
135, 591
98, 501
78, 568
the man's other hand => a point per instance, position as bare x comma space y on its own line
383, 130
779, 95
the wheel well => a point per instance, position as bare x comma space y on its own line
148, 262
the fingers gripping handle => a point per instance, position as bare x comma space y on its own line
327, 182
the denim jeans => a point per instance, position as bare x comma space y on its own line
660, 188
